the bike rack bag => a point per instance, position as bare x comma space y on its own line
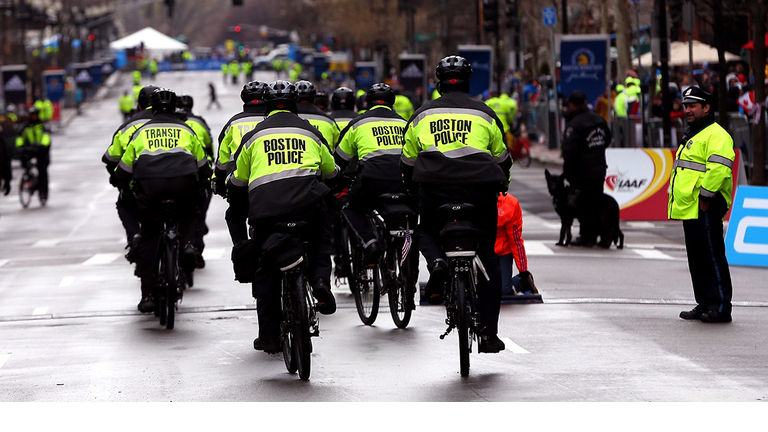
285, 249
459, 238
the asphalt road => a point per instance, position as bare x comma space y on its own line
607, 331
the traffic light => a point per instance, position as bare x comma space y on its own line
490, 15
237, 29
91, 37
510, 11
237, 2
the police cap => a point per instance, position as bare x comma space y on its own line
694, 94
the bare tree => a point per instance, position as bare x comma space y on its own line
758, 11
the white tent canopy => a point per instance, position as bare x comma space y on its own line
155, 42
679, 54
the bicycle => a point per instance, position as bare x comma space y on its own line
392, 275
169, 277
520, 151
459, 239
299, 318
29, 180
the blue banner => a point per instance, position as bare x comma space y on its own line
746, 242
365, 75
95, 70
54, 84
480, 57
321, 65
583, 66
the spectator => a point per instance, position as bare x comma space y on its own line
510, 248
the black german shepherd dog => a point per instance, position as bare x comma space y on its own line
565, 199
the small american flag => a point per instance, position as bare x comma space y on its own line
406, 244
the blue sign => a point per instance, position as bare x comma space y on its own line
549, 15
54, 84
583, 66
95, 70
746, 242
320, 65
480, 57
365, 75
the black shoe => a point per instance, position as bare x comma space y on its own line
694, 313
147, 304
266, 346
438, 276
131, 246
581, 241
188, 259
326, 303
490, 344
199, 261
372, 253
715, 317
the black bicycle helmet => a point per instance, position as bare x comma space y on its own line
281, 95
163, 100
306, 91
253, 91
453, 70
380, 94
185, 102
321, 100
361, 103
33, 110
343, 98
144, 96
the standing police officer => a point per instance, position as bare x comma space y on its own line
454, 148
701, 193
277, 178
587, 135
166, 161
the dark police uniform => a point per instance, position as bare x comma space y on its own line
586, 137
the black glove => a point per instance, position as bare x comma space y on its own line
219, 188
6, 186
526, 281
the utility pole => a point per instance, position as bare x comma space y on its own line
666, 98
565, 17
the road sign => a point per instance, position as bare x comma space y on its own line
746, 242
550, 16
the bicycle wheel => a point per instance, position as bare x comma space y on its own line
346, 254
302, 346
26, 190
462, 324
523, 155
366, 292
161, 309
172, 279
401, 291
286, 331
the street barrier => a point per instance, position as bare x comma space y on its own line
638, 179
746, 241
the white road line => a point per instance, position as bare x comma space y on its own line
214, 253
40, 311
67, 281
4, 358
640, 224
537, 248
102, 258
652, 254
511, 346
46, 243
3, 262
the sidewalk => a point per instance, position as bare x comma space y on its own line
542, 154
69, 114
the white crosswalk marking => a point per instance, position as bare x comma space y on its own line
214, 253
651, 254
45, 243
40, 311
67, 281
102, 258
511, 346
4, 358
537, 248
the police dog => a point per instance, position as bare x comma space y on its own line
564, 200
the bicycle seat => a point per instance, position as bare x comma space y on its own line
456, 211
388, 198
291, 227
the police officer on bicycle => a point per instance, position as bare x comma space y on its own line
34, 142
230, 138
314, 115
277, 176
376, 140
454, 150
164, 161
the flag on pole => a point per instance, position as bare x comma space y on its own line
406, 244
